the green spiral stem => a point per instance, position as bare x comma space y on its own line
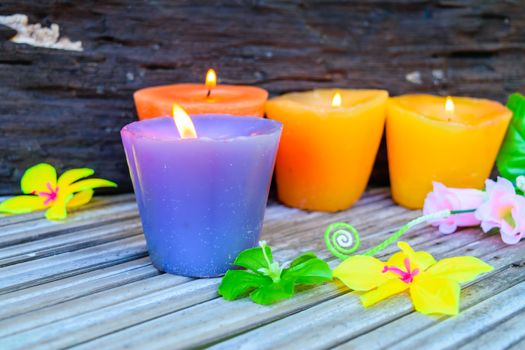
342, 239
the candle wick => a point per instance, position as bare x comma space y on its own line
209, 93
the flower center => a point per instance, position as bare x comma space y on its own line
50, 196
506, 214
405, 276
273, 270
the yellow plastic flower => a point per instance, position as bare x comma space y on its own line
434, 286
43, 191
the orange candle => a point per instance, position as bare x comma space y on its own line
454, 141
328, 146
207, 98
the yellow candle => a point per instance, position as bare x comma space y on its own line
328, 145
452, 141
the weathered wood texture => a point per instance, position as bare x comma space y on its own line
86, 285
67, 107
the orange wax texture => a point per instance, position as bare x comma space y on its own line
326, 153
426, 143
224, 99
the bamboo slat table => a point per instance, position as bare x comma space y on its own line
87, 283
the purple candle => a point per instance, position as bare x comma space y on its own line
201, 200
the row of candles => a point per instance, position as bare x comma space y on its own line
202, 182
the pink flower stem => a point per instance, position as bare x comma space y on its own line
395, 236
340, 252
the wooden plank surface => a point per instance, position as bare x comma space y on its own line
87, 283
68, 106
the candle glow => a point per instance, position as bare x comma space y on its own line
183, 123
449, 105
211, 80
336, 100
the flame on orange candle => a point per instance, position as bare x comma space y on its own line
211, 80
449, 105
183, 123
336, 100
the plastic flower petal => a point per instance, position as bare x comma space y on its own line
90, 183
386, 290
38, 178
70, 176
22, 204
420, 260
461, 269
45, 192
434, 286
361, 272
445, 198
436, 296
58, 210
80, 198
504, 209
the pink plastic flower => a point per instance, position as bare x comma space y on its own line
504, 209
444, 198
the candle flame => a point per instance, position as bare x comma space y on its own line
336, 100
211, 79
183, 123
449, 105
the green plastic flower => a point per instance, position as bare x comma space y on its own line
266, 281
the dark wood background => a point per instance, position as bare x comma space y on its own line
67, 107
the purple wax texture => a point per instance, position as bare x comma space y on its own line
202, 200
